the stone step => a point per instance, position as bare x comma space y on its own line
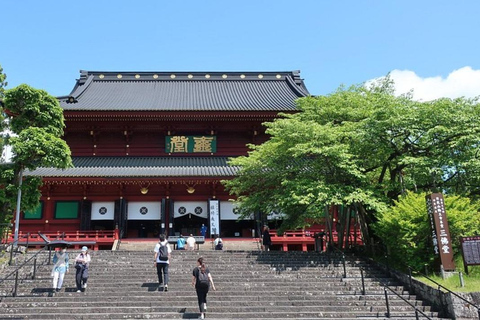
227, 310
215, 299
215, 316
95, 269
175, 274
219, 273
136, 313
224, 284
220, 258
231, 268
217, 308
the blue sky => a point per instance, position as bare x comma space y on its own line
434, 44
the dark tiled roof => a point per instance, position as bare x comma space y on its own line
185, 91
142, 167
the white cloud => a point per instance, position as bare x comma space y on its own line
463, 82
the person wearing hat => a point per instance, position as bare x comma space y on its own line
60, 267
82, 262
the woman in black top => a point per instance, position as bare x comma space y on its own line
267, 240
201, 281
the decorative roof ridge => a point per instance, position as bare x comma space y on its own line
85, 73
186, 75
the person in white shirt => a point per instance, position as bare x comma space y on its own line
191, 243
162, 261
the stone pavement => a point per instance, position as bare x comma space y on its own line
242, 244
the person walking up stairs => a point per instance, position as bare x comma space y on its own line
201, 280
162, 261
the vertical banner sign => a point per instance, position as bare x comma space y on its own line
214, 216
442, 244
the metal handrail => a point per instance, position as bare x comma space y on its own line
405, 300
362, 269
438, 284
450, 291
15, 272
13, 243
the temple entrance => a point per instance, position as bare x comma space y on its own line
102, 224
237, 228
143, 219
143, 228
189, 224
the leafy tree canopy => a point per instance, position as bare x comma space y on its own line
362, 146
36, 122
405, 228
3, 82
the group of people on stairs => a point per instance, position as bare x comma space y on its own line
201, 277
61, 267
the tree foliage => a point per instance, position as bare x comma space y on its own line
3, 84
362, 146
35, 120
405, 228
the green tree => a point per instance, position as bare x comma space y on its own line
35, 120
405, 228
3, 84
359, 146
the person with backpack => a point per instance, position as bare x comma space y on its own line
202, 279
161, 261
218, 243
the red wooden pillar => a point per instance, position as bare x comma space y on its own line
49, 213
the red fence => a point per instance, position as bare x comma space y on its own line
305, 240
92, 239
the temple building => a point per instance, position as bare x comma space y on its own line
150, 150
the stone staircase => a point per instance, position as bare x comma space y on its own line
250, 285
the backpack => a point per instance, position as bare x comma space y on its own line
163, 252
202, 279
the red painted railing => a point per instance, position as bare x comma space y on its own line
307, 238
91, 239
